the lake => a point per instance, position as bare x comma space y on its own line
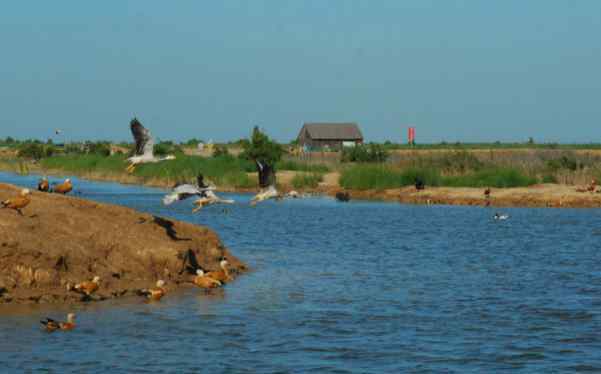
359, 287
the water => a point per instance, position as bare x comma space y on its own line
347, 288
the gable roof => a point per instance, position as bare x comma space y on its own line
340, 131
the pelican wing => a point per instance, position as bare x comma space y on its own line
182, 192
142, 137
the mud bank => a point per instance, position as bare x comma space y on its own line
62, 239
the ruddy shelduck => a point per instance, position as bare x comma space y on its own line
64, 187
155, 294
43, 185
19, 202
88, 287
51, 325
222, 275
204, 281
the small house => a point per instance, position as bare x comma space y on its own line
329, 135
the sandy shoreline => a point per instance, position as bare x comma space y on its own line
62, 240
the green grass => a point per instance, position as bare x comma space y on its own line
307, 180
379, 177
302, 166
224, 171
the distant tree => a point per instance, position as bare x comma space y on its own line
264, 151
530, 140
9, 140
49, 141
220, 151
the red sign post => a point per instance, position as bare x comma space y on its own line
411, 136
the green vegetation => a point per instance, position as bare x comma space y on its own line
302, 166
261, 148
364, 153
307, 180
379, 177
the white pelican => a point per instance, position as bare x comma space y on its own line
144, 147
266, 183
203, 191
209, 198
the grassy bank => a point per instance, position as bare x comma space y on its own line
379, 177
225, 171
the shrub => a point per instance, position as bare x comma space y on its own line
364, 153
34, 151
220, 151
307, 180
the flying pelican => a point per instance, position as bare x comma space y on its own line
144, 147
52, 325
43, 185
64, 187
203, 191
265, 194
19, 202
155, 294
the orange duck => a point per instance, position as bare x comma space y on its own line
204, 281
64, 187
51, 325
222, 275
43, 185
86, 287
155, 294
19, 202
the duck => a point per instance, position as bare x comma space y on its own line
86, 287
222, 275
43, 185
487, 192
343, 196
204, 281
51, 325
63, 188
155, 294
19, 202
500, 217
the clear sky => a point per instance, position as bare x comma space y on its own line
457, 70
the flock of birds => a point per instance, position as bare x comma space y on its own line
206, 281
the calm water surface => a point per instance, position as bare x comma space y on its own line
347, 288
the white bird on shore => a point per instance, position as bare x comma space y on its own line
144, 147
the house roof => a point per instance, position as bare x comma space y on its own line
333, 131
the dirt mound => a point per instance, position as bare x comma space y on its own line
61, 240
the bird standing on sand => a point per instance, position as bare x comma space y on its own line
63, 188
144, 147
222, 275
487, 192
87, 287
419, 184
204, 281
155, 294
51, 325
19, 202
43, 185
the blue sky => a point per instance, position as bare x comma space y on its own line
457, 70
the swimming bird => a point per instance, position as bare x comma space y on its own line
204, 281
87, 287
64, 187
265, 194
19, 202
500, 217
342, 196
144, 147
184, 191
222, 275
43, 185
209, 198
155, 294
52, 325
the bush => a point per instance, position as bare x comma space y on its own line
302, 166
307, 180
564, 162
220, 151
34, 151
364, 153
